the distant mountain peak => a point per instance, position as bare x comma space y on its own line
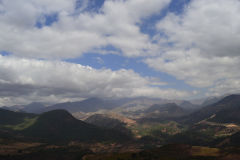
88, 105
60, 113
169, 107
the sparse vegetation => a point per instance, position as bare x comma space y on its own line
25, 124
155, 129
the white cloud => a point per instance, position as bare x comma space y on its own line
229, 86
73, 34
23, 14
195, 69
209, 25
202, 45
99, 60
40, 80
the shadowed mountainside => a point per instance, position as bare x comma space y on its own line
55, 126
11, 118
61, 125
110, 123
226, 110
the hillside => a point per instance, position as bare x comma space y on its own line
235, 139
162, 112
60, 125
105, 121
169, 108
54, 126
172, 152
226, 110
189, 106
212, 100
12, 118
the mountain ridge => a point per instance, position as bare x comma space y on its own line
227, 108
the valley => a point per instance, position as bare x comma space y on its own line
114, 133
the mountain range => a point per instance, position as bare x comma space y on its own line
96, 104
54, 123
226, 110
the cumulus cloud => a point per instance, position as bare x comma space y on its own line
212, 26
35, 80
196, 70
73, 33
199, 46
202, 45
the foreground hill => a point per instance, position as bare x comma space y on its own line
55, 126
61, 125
172, 152
167, 152
235, 139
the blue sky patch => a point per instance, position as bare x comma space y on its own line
47, 20
117, 62
5, 53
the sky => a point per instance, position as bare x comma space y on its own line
67, 50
